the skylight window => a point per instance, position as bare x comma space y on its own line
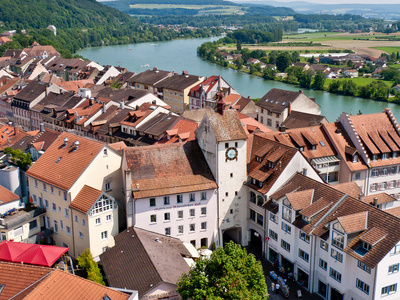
58, 160
322, 143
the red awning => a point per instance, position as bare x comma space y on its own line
40, 255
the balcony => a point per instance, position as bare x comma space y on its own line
20, 217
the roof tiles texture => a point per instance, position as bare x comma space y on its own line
62, 165
142, 259
168, 169
85, 199
226, 127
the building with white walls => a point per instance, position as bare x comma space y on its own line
334, 245
170, 190
78, 182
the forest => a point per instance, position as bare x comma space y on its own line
80, 23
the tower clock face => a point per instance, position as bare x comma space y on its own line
231, 153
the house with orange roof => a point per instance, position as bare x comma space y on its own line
21, 281
4, 39
316, 146
183, 130
369, 145
202, 95
77, 180
334, 245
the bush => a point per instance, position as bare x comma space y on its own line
86, 262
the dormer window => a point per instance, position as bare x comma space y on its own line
301, 149
385, 156
367, 246
258, 159
374, 157
394, 154
314, 147
355, 158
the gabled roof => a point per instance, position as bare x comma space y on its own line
276, 100
45, 138
300, 200
168, 169
350, 188
150, 77
85, 199
269, 151
143, 259
226, 127
7, 196
340, 140
354, 222
32, 91
305, 137
298, 119
60, 165
178, 82
20, 279
380, 198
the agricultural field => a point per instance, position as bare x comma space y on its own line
203, 9
388, 50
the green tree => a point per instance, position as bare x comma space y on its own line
334, 86
305, 79
349, 88
319, 80
86, 262
283, 61
238, 45
19, 158
231, 273
269, 73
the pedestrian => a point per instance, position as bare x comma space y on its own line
273, 286
277, 287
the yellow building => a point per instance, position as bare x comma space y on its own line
175, 90
78, 181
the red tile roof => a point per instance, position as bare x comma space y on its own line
7, 196
85, 199
60, 165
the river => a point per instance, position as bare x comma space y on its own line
181, 55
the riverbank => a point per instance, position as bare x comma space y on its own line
181, 55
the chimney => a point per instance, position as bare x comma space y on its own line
376, 201
41, 127
103, 109
122, 105
76, 145
65, 142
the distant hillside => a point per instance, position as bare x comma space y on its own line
60, 13
79, 23
194, 7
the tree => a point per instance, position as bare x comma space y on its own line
305, 79
18, 157
319, 80
335, 86
230, 273
283, 61
86, 262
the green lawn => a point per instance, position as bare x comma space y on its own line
389, 50
330, 36
359, 81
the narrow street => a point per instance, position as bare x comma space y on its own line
293, 286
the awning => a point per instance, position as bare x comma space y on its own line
324, 160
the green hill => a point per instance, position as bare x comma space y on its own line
79, 23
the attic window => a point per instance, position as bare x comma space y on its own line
367, 246
374, 157
385, 156
394, 154
105, 151
355, 158
58, 160
313, 147
259, 159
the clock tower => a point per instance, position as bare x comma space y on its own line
223, 142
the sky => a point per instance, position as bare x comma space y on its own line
333, 1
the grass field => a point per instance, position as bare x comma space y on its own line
389, 50
359, 81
